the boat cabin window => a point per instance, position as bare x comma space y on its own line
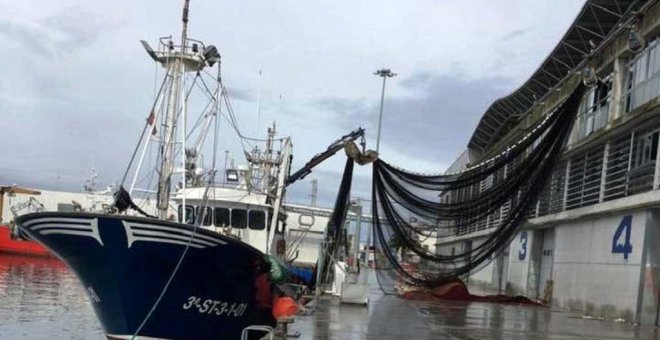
190, 214
222, 217
208, 215
257, 220
239, 218
232, 175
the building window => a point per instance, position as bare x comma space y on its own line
595, 108
642, 170
643, 78
486, 184
239, 218
618, 160
646, 150
584, 178
221, 217
257, 220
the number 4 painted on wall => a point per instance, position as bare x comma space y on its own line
625, 248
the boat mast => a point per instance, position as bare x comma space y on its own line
167, 148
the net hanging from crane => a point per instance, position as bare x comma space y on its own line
336, 235
409, 209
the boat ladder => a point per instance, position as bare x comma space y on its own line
270, 332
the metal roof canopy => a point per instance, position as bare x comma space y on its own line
591, 28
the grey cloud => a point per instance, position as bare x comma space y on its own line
435, 124
54, 35
44, 180
328, 184
341, 107
24, 36
241, 94
79, 28
515, 34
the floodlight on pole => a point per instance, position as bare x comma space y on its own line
385, 73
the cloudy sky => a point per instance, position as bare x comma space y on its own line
75, 84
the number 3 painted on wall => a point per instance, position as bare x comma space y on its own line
625, 248
522, 253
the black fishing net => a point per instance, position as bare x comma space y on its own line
336, 243
123, 201
410, 210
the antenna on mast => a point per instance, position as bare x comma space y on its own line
256, 128
184, 18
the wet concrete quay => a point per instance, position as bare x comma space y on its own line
389, 317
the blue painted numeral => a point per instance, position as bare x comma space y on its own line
522, 253
625, 248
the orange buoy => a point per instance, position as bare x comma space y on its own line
284, 306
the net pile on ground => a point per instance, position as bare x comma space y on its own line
409, 208
456, 290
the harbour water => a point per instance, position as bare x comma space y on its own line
42, 299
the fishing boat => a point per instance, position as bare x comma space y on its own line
195, 266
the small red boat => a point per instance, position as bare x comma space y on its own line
15, 246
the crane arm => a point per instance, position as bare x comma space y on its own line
329, 152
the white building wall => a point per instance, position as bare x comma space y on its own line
519, 255
650, 287
588, 276
429, 242
485, 275
447, 248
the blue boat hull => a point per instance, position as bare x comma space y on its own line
123, 263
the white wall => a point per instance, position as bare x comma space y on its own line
446, 248
518, 264
429, 242
651, 282
485, 275
588, 276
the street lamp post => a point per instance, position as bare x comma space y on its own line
385, 73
